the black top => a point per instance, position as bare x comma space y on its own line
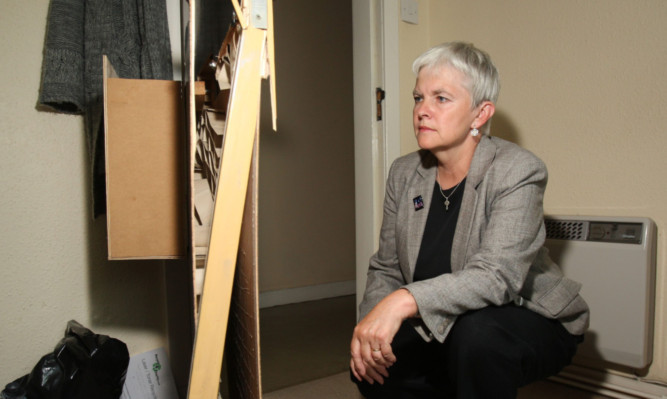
436, 248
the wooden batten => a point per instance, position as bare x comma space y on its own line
221, 260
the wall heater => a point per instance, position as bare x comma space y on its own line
614, 259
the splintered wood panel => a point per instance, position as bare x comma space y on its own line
146, 209
242, 350
240, 133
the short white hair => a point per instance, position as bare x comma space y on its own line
481, 75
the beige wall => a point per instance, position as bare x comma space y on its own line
53, 256
583, 87
306, 173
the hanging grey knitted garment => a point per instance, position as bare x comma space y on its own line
135, 37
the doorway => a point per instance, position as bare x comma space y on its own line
307, 196
306, 168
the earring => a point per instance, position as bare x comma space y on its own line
474, 132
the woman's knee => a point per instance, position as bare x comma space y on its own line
509, 340
477, 334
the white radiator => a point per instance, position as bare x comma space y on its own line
614, 259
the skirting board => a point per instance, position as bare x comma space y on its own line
268, 299
612, 385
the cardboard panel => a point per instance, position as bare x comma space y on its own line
145, 150
242, 351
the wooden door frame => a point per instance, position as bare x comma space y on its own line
376, 143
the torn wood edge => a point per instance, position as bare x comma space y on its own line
227, 218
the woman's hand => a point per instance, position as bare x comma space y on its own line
372, 337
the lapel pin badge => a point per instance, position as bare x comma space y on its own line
418, 201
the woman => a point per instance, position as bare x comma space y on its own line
462, 299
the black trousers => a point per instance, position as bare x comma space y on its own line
489, 353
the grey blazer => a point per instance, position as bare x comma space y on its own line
497, 254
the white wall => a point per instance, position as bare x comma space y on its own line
583, 87
53, 256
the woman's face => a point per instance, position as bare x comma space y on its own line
443, 113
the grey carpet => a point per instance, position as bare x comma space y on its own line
305, 341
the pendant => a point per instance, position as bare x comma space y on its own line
446, 204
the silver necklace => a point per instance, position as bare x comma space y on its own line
446, 197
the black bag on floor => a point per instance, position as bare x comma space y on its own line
83, 365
